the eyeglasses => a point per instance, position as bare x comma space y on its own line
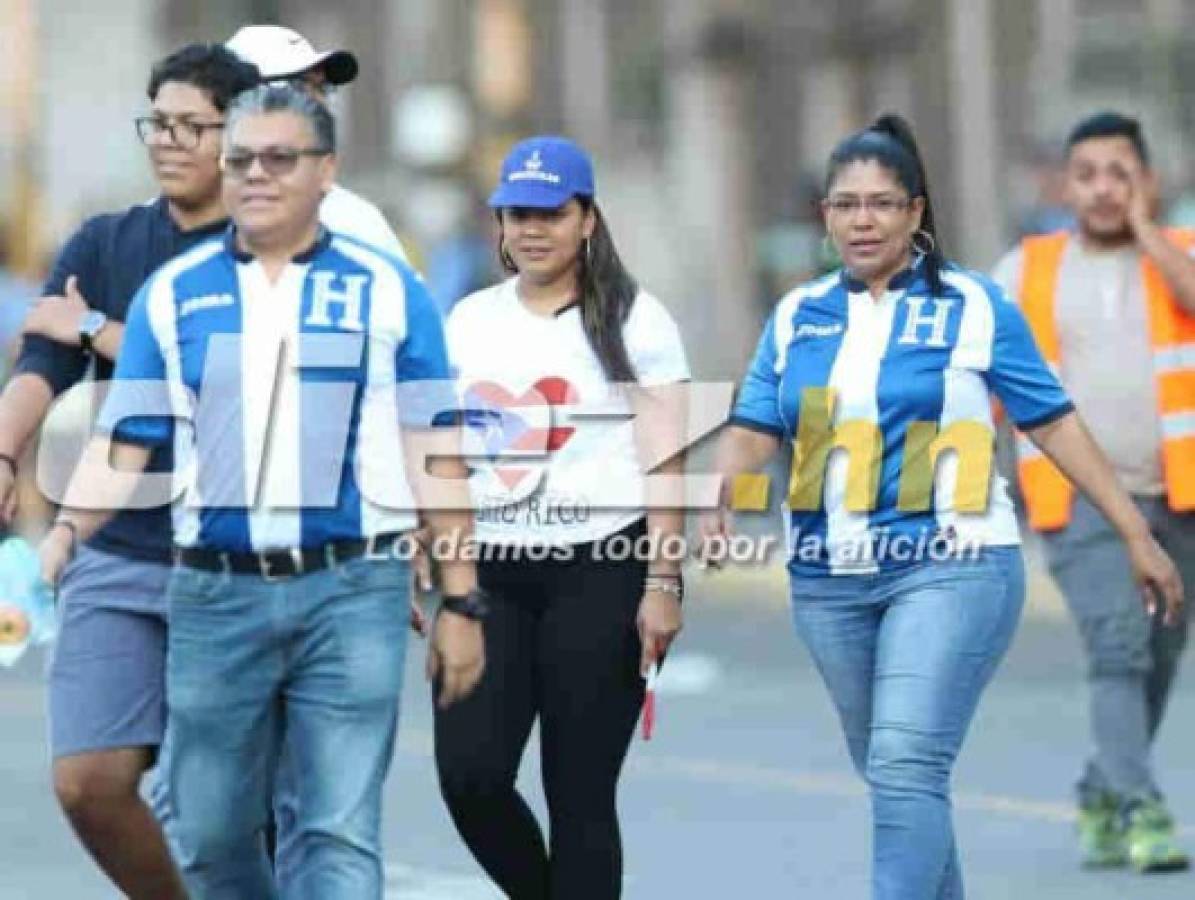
276, 161
881, 205
183, 133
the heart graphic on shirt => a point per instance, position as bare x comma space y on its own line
507, 424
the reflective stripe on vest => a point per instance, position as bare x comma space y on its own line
1048, 495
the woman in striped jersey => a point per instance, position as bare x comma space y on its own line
906, 574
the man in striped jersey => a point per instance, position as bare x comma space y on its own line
278, 349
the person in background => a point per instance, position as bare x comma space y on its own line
1119, 286
906, 575
281, 54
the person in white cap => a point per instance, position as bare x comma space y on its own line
282, 54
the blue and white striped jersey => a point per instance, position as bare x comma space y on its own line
283, 398
901, 370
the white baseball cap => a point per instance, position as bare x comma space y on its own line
282, 53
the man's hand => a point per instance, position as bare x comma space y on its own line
1157, 578
1143, 199
421, 579
55, 552
58, 318
418, 618
8, 494
456, 657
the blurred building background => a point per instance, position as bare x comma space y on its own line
710, 119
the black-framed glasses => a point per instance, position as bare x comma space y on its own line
185, 133
276, 161
881, 204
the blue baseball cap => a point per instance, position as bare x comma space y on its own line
543, 173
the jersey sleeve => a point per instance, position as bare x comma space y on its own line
1018, 374
422, 368
757, 405
138, 408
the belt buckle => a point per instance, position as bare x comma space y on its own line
263, 565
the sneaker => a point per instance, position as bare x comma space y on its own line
1150, 838
1102, 842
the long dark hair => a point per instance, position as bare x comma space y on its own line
605, 292
889, 141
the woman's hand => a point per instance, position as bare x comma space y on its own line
659, 622
715, 527
1157, 577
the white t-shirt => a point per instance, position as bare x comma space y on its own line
347, 213
535, 386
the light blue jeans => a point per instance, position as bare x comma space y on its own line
312, 663
906, 655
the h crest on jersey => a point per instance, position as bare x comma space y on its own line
332, 293
926, 328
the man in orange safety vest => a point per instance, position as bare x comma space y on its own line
1112, 307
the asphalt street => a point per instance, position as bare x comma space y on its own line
745, 789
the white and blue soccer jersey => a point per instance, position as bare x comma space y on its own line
901, 371
284, 399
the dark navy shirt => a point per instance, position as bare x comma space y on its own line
112, 255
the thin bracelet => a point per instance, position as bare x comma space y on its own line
667, 587
675, 576
12, 463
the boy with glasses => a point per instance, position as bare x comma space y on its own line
106, 679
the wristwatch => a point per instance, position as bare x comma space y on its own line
93, 322
473, 605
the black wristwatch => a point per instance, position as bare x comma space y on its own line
89, 328
473, 605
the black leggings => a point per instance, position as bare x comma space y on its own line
561, 644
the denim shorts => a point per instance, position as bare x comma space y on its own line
107, 670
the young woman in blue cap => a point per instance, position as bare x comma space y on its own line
905, 570
580, 598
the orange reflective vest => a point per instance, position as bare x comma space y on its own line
1048, 495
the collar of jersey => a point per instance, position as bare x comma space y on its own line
902, 280
323, 239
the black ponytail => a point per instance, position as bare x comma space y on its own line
605, 292
889, 141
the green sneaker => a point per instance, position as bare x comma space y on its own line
1102, 842
1150, 838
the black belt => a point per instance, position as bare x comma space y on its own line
274, 564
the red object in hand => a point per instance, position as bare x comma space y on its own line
649, 702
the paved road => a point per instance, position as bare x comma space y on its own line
745, 786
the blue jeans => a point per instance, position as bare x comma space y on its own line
313, 663
906, 655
